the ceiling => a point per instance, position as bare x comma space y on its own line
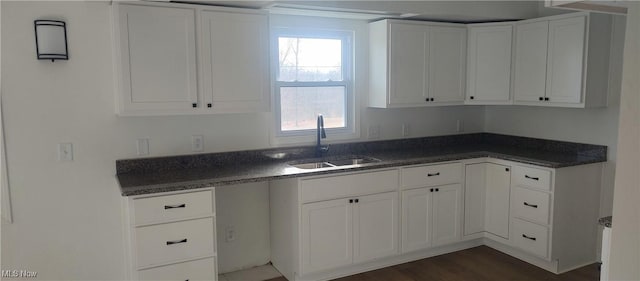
454, 11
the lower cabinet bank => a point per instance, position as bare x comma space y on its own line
328, 226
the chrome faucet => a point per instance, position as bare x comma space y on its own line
321, 135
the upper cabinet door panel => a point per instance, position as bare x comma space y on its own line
565, 60
489, 64
408, 64
158, 53
235, 60
447, 53
531, 61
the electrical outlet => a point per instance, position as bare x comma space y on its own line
405, 129
373, 132
197, 143
459, 126
143, 146
230, 234
65, 151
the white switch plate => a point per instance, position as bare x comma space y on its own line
197, 143
65, 151
373, 132
405, 129
230, 234
143, 146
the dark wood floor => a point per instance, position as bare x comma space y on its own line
475, 264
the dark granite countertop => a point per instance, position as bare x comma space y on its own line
162, 174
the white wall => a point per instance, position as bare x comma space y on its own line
625, 233
595, 126
67, 221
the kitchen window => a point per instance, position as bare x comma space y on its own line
313, 76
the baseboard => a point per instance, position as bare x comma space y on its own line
551, 266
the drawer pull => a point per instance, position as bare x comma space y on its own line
166, 207
433, 175
531, 178
530, 238
176, 242
530, 205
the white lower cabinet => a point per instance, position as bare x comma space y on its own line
431, 216
171, 236
329, 226
203, 269
326, 235
348, 230
487, 196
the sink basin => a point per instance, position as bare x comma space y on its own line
339, 161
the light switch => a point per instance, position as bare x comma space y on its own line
143, 146
65, 151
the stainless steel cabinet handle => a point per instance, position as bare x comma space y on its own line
531, 178
166, 207
530, 205
530, 238
176, 242
434, 174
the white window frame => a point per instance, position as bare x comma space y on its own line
299, 136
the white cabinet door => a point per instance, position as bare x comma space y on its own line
447, 211
489, 64
498, 182
375, 226
158, 59
565, 60
447, 53
531, 61
474, 198
408, 59
416, 219
235, 61
326, 235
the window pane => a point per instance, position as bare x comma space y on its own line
300, 106
309, 59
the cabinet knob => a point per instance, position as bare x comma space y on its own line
541, 98
437, 189
546, 99
471, 97
431, 190
431, 99
427, 100
350, 200
209, 105
506, 169
194, 105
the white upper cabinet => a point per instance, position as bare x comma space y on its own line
562, 61
489, 63
158, 59
415, 64
447, 65
531, 61
188, 59
235, 65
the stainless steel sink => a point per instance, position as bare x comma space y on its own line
332, 162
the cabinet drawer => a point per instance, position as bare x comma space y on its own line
531, 237
531, 205
334, 187
204, 269
169, 242
171, 207
431, 175
532, 177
